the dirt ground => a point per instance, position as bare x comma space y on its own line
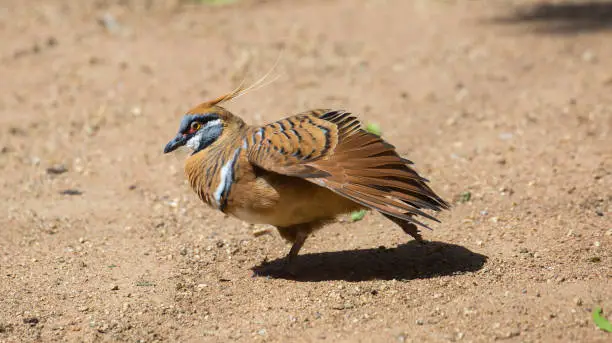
509, 102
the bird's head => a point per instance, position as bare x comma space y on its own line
205, 124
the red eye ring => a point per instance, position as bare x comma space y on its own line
195, 126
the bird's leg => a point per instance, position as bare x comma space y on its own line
300, 238
408, 227
296, 234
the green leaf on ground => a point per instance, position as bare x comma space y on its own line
600, 320
358, 215
374, 128
465, 197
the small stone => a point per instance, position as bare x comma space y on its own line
524, 251
578, 301
115, 288
32, 321
52, 41
109, 22
103, 328
419, 322
57, 169
513, 333
260, 232
597, 244
588, 56
136, 111
71, 192
261, 332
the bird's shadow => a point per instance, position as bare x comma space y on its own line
407, 261
564, 17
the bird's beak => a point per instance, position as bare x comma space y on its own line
175, 143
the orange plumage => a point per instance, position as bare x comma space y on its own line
299, 172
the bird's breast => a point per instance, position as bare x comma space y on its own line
227, 181
212, 174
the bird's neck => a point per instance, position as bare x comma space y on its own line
211, 172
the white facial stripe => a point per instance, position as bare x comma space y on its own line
213, 122
194, 142
226, 178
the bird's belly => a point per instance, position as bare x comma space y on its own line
294, 202
285, 216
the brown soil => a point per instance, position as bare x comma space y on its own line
514, 108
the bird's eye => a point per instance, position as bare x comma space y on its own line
195, 126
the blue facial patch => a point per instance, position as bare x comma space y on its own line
189, 118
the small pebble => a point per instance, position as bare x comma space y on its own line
71, 192
588, 56
260, 232
109, 22
32, 321
57, 169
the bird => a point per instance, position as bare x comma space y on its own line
299, 173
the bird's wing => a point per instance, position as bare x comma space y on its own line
330, 149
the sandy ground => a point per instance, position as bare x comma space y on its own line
102, 239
